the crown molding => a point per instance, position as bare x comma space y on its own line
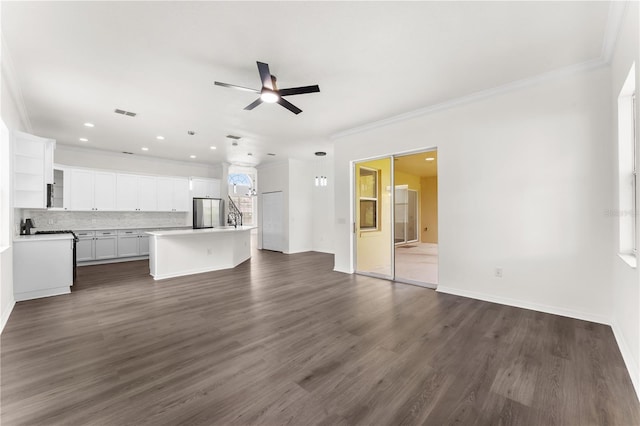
6, 64
614, 22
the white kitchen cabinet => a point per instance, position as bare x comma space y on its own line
136, 192
85, 246
143, 245
61, 188
128, 243
92, 190
106, 245
32, 170
205, 188
173, 194
104, 189
42, 266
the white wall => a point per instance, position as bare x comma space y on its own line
14, 120
308, 221
524, 178
626, 280
323, 206
301, 186
99, 159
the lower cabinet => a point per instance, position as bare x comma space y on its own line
85, 247
111, 244
106, 245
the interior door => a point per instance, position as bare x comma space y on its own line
272, 221
374, 217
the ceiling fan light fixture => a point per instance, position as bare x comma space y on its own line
269, 97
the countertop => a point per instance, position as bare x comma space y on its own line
124, 228
200, 231
41, 237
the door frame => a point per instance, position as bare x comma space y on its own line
352, 190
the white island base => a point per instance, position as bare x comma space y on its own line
193, 251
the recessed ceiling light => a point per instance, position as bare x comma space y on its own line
192, 156
160, 138
89, 125
213, 147
84, 140
429, 159
144, 148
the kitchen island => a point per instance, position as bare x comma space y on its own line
193, 251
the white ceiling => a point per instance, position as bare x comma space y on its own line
78, 61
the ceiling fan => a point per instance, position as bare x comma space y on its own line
270, 92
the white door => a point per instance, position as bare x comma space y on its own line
165, 194
127, 192
81, 190
104, 188
147, 196
272, 221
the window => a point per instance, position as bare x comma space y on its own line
368, 199
242, 192
627, 170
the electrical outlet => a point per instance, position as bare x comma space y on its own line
50, 221
93, 221
498, 272
209, 251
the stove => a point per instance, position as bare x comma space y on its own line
75, 240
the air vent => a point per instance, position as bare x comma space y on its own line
233, 137
127, 152
271, 154
123, 112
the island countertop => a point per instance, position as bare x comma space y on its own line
199, 231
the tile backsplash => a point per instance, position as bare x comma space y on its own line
45, 220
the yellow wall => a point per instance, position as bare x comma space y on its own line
374, 247
412, 181
429, 209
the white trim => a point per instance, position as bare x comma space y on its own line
477, 96
614, 22
632, 365
192, 272
6, 315
15, 92
28, 295
112, 260
555, 310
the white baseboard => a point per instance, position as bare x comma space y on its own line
632, 364
112, 260
6, 314
586, 316
37, 294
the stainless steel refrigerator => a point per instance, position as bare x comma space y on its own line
208, 213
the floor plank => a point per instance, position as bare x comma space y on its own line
282, 339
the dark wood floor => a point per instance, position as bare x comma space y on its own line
284, 340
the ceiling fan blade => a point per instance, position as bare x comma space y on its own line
253, 104
299, 90
233, 86
265, 75
288, 105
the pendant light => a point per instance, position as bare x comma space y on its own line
321, 180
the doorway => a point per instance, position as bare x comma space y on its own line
396, 218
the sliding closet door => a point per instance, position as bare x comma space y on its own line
373, 224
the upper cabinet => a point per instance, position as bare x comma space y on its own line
80, 189
32, 170
173, 194
136, 192
92, 190
205, 188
